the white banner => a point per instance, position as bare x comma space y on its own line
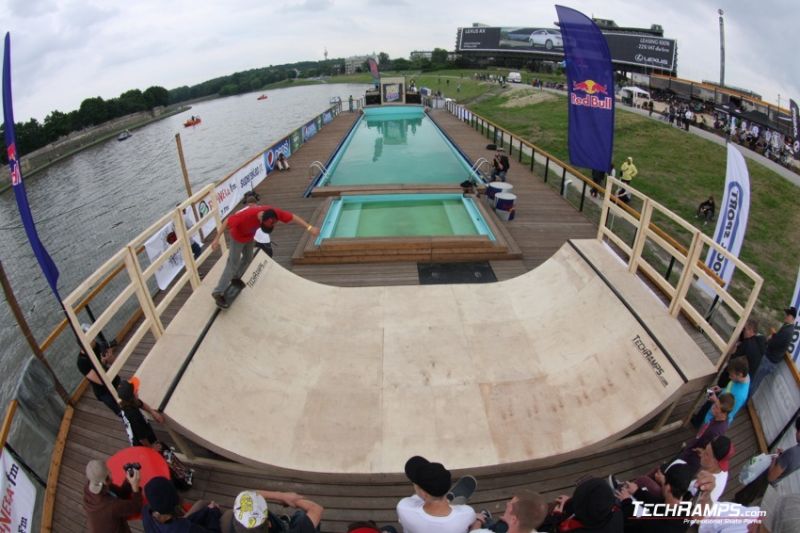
794, 347
733, 214
18, 497
157, 245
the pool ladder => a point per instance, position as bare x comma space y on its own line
481, 161
319, 167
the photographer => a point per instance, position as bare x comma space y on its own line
108, 506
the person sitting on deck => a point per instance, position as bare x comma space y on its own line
777, 345
105, 354
108, 506
250, 514
369, 526
706, 210
738, 386
243, 225
783, 464
282, 163
501, 165
592, 507
140, 432
524, 513
428, 510
163, 512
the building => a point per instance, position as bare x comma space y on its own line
352, 64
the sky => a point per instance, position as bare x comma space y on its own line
64, 51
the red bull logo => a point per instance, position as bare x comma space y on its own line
593, 92
16, 177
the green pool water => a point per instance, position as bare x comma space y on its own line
403, 215
396, 145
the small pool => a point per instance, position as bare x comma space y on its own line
418, 226
403, 215
394, 145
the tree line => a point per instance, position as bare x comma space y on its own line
93, 111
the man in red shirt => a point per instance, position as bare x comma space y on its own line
243, 226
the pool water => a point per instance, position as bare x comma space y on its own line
396, 145
403, 215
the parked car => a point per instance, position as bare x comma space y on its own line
548, 38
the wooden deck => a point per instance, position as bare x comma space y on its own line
544, 222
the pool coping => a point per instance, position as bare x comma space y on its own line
416, 249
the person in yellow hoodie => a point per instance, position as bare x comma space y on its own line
628, 172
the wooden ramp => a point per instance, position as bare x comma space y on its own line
544, 223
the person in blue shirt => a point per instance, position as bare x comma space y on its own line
738, 386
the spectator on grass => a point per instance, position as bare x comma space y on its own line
250, 514
428, 509
706, 210
163, 512
108, 506
777, 344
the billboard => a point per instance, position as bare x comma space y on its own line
626, 48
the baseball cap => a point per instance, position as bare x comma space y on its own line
791, 311
125, 390
593, 502
433, 478
250, 511
96, 473
161, 495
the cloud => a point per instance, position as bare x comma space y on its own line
310, 5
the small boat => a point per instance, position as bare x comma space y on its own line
194, 121
125, 134
262, 97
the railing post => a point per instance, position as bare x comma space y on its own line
563, 179
546, 168
641, 235
143, 295
682, 287
520, 150
533, 157
502, 136
186, 248
510, 145
583, 196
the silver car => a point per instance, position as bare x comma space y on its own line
548, 38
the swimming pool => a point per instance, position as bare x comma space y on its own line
405, 227
394, 145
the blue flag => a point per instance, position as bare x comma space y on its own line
47, 265
590, 80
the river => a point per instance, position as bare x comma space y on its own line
89, 206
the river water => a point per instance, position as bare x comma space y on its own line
89, 206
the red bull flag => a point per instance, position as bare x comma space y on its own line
590, 80
45, 262
373, 68
795, 128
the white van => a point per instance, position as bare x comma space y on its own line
634, 96
515, 77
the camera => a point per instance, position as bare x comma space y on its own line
130, 467
710, 391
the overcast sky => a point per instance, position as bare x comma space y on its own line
64, 51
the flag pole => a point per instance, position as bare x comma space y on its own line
26, 331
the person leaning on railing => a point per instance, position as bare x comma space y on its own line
105, 354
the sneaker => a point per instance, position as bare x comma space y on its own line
237, 282
219, 298
614, 483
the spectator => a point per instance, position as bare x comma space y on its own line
369, 527
783, 464
428, 510
714, 459
629, 171
751, 345
706, 210
738, 386
675, 490
524, 513
777, 344
500, 164
163, 512
249, 514
720, 408
140, 432
106, 356
108, 506
282, 163
592, 507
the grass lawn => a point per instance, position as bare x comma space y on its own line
679, 170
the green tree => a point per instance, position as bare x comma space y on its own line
384, 61
156, 96
439, 56
132, 101
93, 111
401, 64
229, 89
57, 124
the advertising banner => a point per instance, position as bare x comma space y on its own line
590, 81
296, 139
327, 117
794, 347
733, 214
626, 48
271, 155
309, 130
18, 497
391, 92
155, 246
793, 110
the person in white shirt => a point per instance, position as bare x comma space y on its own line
428, 510
712, 458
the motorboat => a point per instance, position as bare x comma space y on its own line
262, 97
194, 121
125, 134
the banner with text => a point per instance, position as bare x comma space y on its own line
794, 347
733, 214
590, 80
155, 246
793, 110
19, 497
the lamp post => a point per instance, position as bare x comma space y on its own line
721, 48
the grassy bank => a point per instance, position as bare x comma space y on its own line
679, 170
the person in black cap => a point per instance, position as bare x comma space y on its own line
140, 432
163, 512
676, 486
592, 507
428, 510
777, 344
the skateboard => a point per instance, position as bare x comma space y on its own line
462, 490
230, 295
182, 475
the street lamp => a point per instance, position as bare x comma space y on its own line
721, 48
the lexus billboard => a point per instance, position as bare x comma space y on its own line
626, 48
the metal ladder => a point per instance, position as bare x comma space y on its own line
318, 166
481, 161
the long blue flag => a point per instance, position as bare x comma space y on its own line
45, 262
590, 78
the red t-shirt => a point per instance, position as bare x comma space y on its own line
244, 224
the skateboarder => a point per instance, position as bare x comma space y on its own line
243, 225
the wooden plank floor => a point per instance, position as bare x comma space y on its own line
544, 222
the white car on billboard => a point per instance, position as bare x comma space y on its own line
549, 38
